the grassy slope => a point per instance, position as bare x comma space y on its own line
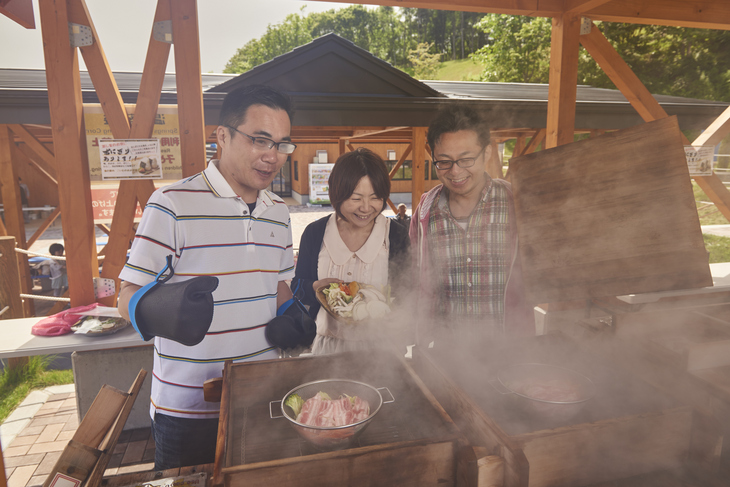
462, 70
17, 383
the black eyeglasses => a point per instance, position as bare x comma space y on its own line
446, 164
264, 143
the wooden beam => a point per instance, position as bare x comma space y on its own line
44, 226
101, 74
15, 225
717, 130
520, 144
42, 151
621, 75
23, 152
189, 85
418, 165
69, 138
367, 133
20, 11
400, 161
10, 287
535, 142
494, 164
582, 6
563, 80
122, 229
649, 109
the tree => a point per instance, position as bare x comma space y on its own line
668, 60
425, 65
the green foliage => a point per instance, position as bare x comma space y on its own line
718, 248
517, 50
668, 60
386, 32
15, 384
425, 64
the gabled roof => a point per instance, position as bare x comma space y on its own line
331, 65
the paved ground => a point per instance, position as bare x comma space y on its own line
36, 433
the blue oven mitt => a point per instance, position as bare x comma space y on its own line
181, 311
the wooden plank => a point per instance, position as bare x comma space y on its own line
582, 6
100, 73
69, 137
701, 14
535, 141
494, 164
10, 283
20, 11
76, 462
563, 78
621, 222
100, 417
649, 109
189, 85
418, 165
400, 161
599, 451
110, 441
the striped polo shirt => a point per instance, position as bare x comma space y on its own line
209, 231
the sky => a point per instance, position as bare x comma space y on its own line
124, 29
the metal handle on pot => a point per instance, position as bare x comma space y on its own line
497, 386
271, 413
392, 397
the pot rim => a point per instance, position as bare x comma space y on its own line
588, 383
329, 428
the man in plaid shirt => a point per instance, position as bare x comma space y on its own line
464, 238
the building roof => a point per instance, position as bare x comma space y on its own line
335, 83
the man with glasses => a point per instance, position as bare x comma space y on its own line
221, 222
465, 240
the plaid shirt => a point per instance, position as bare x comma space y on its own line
472, 265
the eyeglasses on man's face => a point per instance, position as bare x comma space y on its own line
265, 143
464, 162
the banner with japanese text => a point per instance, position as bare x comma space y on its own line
166, 130
103, 201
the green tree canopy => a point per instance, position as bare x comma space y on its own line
668, 60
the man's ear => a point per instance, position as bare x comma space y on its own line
223, 136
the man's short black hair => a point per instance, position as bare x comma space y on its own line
237, 102
56, 247
455, 118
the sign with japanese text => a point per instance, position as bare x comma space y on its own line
130, 159
166, 130
103, 201
699, 160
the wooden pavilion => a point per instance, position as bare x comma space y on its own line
67, 163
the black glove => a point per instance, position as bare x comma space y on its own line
181, 311
292, 326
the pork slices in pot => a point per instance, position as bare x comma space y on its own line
321, 410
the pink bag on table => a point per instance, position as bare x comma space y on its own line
60, 323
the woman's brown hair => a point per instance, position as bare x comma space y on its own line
350, 168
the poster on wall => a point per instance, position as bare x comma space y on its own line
699, 159
103, 201
166, 130
130, 159
319, 191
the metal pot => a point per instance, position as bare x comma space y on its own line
333, 437
548, 390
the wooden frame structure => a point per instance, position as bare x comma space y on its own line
67, 164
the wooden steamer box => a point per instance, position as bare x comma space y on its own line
629, 428
411, 441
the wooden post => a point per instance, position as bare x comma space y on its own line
69, 139
494, 164
14, 213
418, 165
563, 77
189, 85
10, 282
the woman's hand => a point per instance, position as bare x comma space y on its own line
325, 282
